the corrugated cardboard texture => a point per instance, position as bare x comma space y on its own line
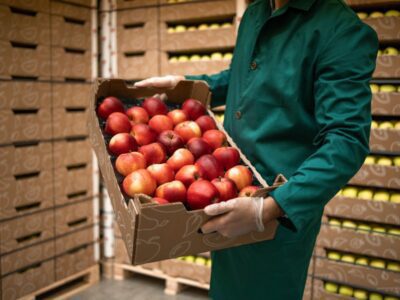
78, 30
385, 140
378, 176
183, 269
138, 65
25, 231
121, 4
24, 26
70, 95
71, 63
35, 5
386, 104
387, 66
26, 194
70, 122
72, 152
74, 240
387, 28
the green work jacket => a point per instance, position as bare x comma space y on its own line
298, 103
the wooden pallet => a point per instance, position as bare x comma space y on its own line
173, 285
67, 287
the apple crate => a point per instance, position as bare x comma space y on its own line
320, 293
183, 269
70, 122
72, 152
370, 3
138, 64
387, 28
377, 176
386, 104
154, 232
71, 94
387, 66
71, 64
385, 140
32, 5
76, 239
123, 4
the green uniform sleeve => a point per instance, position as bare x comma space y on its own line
342, 111
218, 85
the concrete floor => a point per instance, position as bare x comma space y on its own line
140, 287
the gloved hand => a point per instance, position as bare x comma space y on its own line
169, 81
240, 216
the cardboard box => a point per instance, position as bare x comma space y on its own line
74, 240
73, 183
307, 295
359, 242
385, 140
121, 255
34, 5
117, 231
387, 66
69, 63
364, 210
61, 8
137, 30
146, 228
23, 194
26, 231
70, 94
386, 104
24, 60
23, 282
78, 29
24, 25
387, 28
70, 122
74, 217
377, 176
138, 64
122, 4
72, 152
86, 3
24, 95
184, 269
27, 257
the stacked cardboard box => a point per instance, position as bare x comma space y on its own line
49, 195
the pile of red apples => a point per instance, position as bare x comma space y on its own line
173, 154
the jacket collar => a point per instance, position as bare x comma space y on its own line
301, 4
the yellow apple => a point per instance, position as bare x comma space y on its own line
370, 160
190, 258
377, 263
362, 15
396, 161
381, 196
394, 231
171, 30
173, 59
375, 296
331, 287
364, 227
386, 125
349, 224
397, 124
378, 229
180, 28
334, 222
226, 25
195, 57
348, 258
387, 88
374, 125
333, 255
392, 13
209, 263
362, 261
376, 14
205, 58
214, 26
366, 194
390, 51
350, 192
192, 28
398, 89
229, 55
203, 27
360, 294
220, 118
216, 56
183, 58
200, 261
384, 161
379, 52
346, 290
374, 88
395, 198
393, 266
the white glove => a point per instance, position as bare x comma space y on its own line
169, 81
235, 217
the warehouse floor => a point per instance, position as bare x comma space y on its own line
140, 287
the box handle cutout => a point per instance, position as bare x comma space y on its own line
33, 205
77, 249
76, 138
23, 45
74, 21
24, 78
134, 25
70, 79
76, 195
26, 175
75, 109
77, 222
21, 11
76, 167
74, 51
29, 237
26, 144
25, 111
134, 54
35, 266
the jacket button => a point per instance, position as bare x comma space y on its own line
253, 65
238, 114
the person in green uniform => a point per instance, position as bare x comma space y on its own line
298, 103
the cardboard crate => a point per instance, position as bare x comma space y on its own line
137, 30
74, 217
74, 240
70, 94
387, 28
24, 60
73, 183
386, 104
33, 5
22, 25
138, 64
358, 242
24, 95
68, 63
19, 284
184, 269
27, 257
136, 217
72, 152
123, 4
23, 194
378, 176
364, 210
23, 125
25, 158
70, 122
72, 32
320, 293
385, 140
26, 231
387, 66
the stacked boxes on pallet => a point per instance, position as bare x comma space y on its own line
49, 194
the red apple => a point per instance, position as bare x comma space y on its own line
108, 106
193, 108
137, 115
241, 175
139, 181
126, 163
161, 123
177, 116
201, 193
162, 173
117, 123
158, 200
198, 147
188, 130
228, 157
188, 174
122, 143
154, 153
209, 167
206, 123
173, 191
180, 158
143, 134
248, 191
215, 138
225, 187
154, 106
171, 141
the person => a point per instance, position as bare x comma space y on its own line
298, 103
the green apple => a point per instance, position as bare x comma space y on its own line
396, 161
387, 88
349, 224
203, 27
374, 88
216, 56
395, 198
226, 25
209, 263
195, 57
360, 294
192, 28
394, 231
200, 261
376, 14
377, 263
190, 259
171, 30
378, 229
362, 15
390, 51
229, 56
363, 227
173, 59
180, 28
366, 194
392, 13
386, 125
350, 192
214, 26
348, 258
381, 196
183, 58
384, 161
331, 287
205, 58
370, 160
375, 296
393, 266
362, 261
333, 255
346, 290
